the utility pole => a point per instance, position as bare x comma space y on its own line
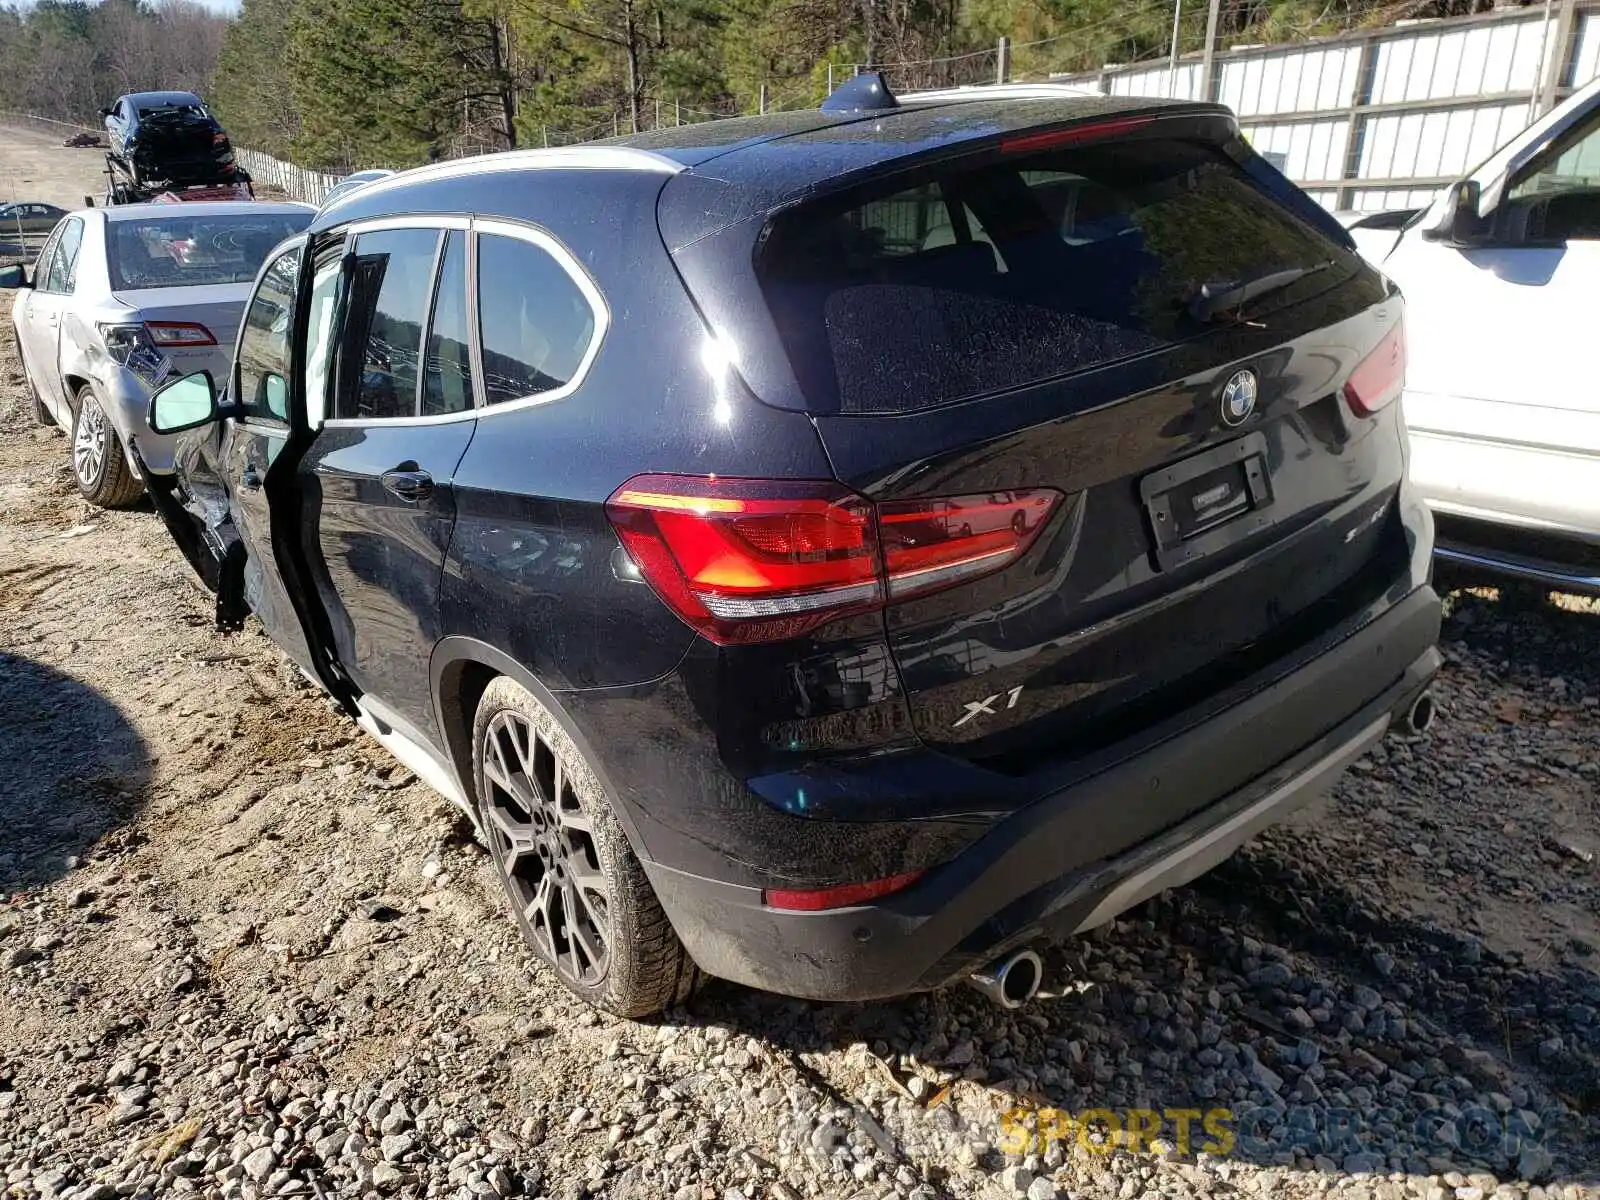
1172, 61
1208, 65
1002, 66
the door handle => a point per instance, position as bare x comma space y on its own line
250, 479
410, 485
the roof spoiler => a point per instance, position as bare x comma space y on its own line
863, 93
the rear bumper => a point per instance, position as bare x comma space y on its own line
1009, 887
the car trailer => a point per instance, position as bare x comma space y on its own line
123, 188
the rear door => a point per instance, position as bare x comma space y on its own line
40, 327
1116, 366
390, 365
38, 352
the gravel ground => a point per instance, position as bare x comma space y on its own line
245, 954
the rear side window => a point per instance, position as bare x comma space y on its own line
447, 382
996, 276
391, 280
538, 325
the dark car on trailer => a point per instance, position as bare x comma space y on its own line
168, 138
833, 550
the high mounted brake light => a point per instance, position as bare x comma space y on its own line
1029, 143
748, 560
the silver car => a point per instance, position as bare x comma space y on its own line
123, 298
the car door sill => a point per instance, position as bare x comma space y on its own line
377, 720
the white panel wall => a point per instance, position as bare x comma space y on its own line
1299, 81
1439, 143
1313, 150
1383, 199
1586, 61
1484, 60
1160, 82
1458, 62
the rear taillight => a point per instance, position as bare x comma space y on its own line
744, 560
930, 544
1380, 377
179, 333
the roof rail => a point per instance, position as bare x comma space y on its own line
999, 91
866, 92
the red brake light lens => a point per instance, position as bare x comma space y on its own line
930, 544
1380, 377
1029, 143
179, 333
745, 560
843, 896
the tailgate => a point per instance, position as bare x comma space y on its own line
1122, 348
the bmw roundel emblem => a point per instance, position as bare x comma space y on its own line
1239, 398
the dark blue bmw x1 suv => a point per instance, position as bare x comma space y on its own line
834, 550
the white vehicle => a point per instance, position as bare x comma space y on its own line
120, 299
1501, 276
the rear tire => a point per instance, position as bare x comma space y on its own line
576, 889
99, 466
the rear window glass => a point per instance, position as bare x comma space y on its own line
181, 251
1002, 275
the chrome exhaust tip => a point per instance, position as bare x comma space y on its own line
1010, 982
1419, 716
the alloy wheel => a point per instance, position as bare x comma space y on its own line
544, 846
89, 443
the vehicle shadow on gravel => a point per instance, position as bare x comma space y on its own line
75, 770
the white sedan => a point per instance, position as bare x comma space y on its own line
1501, 276
121, 298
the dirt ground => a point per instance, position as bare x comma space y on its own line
243, 953
36, 166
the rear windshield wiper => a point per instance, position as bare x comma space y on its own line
1218, 296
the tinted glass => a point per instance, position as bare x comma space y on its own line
264, 340
390, 283
537, 324
177, 251
997, 276
1563, 191
447, 384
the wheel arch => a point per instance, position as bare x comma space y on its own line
75, 383
460, 670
